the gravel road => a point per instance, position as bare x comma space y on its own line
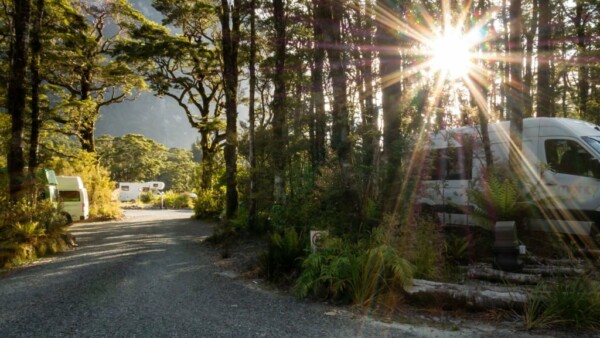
148, 276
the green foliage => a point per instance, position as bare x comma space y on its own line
147, 197
283, 257
209, 203
173, 200
570, 303
357, 273
29, 230
421, 242
132, 157
499, 199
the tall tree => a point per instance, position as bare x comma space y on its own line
334, 12
528, 78
230, 30
83, 71
389, 70
545, 51
318, 95
583, 85
516, 90
36, 53
279, 105
252, 205
186, 68
17, 94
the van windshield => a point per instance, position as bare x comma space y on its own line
593, 141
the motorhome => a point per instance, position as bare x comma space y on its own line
73, 196
130, 191
562, 165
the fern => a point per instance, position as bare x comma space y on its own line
500, 199
353, 272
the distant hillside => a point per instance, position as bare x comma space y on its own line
157, 118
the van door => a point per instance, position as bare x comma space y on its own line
570, 189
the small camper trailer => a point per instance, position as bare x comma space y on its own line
130, 191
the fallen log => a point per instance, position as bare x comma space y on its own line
547, 271
493, 275
479, 297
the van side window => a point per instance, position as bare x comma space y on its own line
69, 196
125, 188
454, 163
569, 157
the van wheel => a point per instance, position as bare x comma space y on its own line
67, 217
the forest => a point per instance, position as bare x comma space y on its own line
340, 96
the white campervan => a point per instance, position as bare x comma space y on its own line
562, 163
130, 191
74, 197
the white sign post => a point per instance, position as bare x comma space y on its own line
316, 237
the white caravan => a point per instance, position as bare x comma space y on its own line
130, 191
562, 165
74, 197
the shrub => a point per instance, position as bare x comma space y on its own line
283, 257
147, 197
173, 200
209, 203
421, 242
356, 273
29, 229
572, 303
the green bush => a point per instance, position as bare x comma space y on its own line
209, 203
173, 200
421, 242
30, 229
283, 257
147, 197
571, 303
357, 273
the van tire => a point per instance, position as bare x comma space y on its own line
67, 217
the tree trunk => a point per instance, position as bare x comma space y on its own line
318, 96
36, 51
279, 108
391, 92
252, 210
515, 98
483, 110
583, 85
340, 133
17, 94
528, 79
230, 24
544, 92
505, 87
369, 137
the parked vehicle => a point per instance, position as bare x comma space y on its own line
562, 166
73, 196
130, 191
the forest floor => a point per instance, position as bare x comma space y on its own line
240, 260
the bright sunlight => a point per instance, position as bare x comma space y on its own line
451, 55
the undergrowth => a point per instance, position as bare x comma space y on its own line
29, 230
